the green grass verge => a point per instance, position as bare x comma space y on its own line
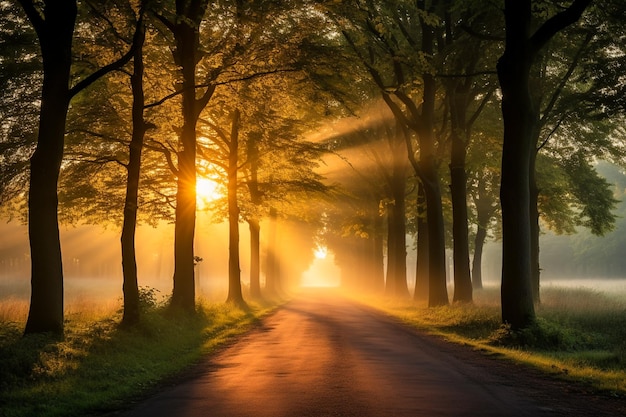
98, 367
580, 333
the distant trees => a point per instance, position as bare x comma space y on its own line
392, 42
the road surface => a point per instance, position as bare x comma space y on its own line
321, 355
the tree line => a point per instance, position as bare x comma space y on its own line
112, 109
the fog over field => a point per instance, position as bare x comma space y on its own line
92, 263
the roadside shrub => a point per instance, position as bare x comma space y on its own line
148, 298
542, 335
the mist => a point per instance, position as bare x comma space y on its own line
93, 271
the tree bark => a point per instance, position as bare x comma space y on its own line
519, 117
477, 271
396, 241
55, 31
437, 286
272, 286
54, 24
186, 55
235, 295
391, 250
517, 112
421, 268
183, 295
255, 258
484, 211
254, 222
535, 271
378, 269
129, 263
397, 228
458, 192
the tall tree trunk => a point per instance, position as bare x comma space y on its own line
129, 262
517, 112
54, 23
535, 231
391, 250
255, 258
55, 31
397, 228
235, 295
458, 96
519, 117
477, 271
458, 191
378, 268
484, 211
437, 286
271, 273
397, 257
254, 222
421, 267
186, 55
183, 294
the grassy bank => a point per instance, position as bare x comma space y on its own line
98, 367
580, 333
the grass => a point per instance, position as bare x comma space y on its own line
580, 333
97, 366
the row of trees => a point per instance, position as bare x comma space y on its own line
434, 65
138, 98
167, 92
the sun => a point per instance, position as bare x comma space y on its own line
207, 190
321, 252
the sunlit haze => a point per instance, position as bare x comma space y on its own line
207, 191
321, 252
323, 272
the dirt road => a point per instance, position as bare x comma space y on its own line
325, 356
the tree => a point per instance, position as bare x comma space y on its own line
127, 239
228, 143
394, 47
234, 270
54, 23
374, 184
519, 116
484, 155
468, 88
184, 25
577, 113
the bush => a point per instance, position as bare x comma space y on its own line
542, 335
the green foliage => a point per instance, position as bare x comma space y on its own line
594, 193
542, 335
20, 89
149, 299
555, 201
